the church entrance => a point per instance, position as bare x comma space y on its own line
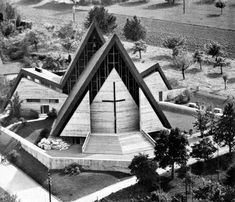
44, 109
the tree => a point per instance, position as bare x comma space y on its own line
170, 149
197, 57
182, 62
204, 149
145, 170
220, 4
106, 21
139, 46
15, 106
66, 31
173, 42
32, 39
6, 197
225, 133
225, 78
67, 44
214, 49
133, 30
220, 62
202, 121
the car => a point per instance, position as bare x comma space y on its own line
193, 105
218, 111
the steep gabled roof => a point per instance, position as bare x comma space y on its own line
81, 87
93, 27
156, 68
44, 76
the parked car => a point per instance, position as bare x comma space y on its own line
218, 111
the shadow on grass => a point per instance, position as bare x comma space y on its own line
193, 71
213, 15
231, 80
162, 6
56, 6
28, 2
213, 75
162, 57
203, 2
170, 66
134, 3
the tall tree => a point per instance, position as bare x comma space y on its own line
225, 133
170, 149
220, 4
15, 106
134, 30
182, 61
173, 43
204, 149
139, 46
202, 121
105, 20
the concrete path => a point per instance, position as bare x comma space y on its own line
14, 181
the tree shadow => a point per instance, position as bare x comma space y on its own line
28, 2
193, 70
170, 66
232, 5
203, 2
213, 75
213, 15
231, 80
56, 6
162, 6
161, 57
133, 3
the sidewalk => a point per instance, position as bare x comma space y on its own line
16, 182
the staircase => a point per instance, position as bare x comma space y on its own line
134, 142
122, 143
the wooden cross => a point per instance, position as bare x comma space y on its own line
114, 101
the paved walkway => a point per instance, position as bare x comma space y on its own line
16, 182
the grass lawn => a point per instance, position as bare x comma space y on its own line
200, 171
65, 187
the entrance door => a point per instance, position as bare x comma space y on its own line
44, 109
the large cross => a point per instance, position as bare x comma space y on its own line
114, 101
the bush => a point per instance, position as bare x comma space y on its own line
133, 30
6, 197
105, 20
66, 31
145, 171
183, 98
52, 114
14, 157
159, 196
7, 28
29, 114
72, 169
214, 49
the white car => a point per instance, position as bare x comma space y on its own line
218, 111
193, 105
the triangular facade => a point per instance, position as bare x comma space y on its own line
111, 55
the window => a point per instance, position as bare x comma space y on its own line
53, 101
33, 100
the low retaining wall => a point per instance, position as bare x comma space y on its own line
61, 162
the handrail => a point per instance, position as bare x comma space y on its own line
86, 141
150, 139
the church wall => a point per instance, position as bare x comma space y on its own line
102, 113
79, 124
149, 121
155, 84
28, 89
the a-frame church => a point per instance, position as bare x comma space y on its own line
107, 106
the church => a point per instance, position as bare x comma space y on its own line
103, 102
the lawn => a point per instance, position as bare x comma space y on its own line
208, 170
65, 187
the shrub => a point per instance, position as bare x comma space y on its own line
29, 114
159, 196
230, 175
183, 98
32, 39
14, 156
214, 49
52, 114
145, 171
72, 169
133, 30
105, 20
66, 31
7, 28
172, 43
6, 197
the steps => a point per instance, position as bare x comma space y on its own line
124, 143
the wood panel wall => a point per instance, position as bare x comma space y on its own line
79, 123
28, 89
102, 113
149, 121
